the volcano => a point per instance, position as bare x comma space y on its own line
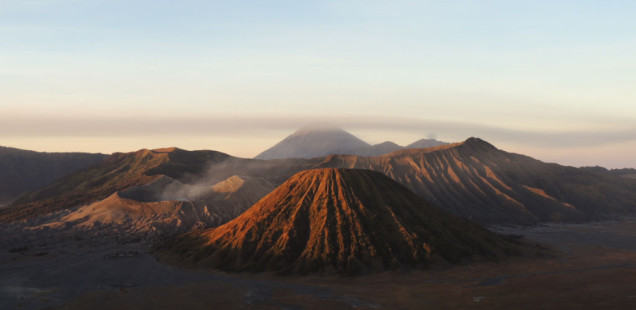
315, 142
336, 221
310, 142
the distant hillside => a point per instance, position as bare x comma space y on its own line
623, 172
475, 180
340, 221
472, 179
423, 143
24, 171
316, 142
117, 172
226, 185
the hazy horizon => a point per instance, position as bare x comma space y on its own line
549, 79
261, 142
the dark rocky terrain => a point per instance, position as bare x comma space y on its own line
23, 171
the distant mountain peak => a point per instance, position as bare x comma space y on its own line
318, 128
425, 143
315, 142
166, 149
320, 140
478, 143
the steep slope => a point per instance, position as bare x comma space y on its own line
118, 172
315, 142
475, 180
322, 141
336, 220
24, 171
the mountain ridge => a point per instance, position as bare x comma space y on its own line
23, 171
336, 220
117, 172
474, 179
471, 179
322, 141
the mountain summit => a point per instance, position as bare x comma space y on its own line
315, 142
312, 142
336, 220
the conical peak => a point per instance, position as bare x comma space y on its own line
315, 142
343, 220
323, 134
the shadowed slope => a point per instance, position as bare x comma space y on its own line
24, 171
629, 173
118, 172
336, 220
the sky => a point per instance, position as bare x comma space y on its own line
550, 79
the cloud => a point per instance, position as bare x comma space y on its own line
259, 126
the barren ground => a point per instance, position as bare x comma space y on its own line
593, 266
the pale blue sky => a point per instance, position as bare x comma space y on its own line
551, 79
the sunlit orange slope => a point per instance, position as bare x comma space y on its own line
336, 220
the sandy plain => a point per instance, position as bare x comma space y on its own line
588, 266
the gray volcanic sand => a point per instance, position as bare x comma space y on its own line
48, 267
74, 270
617, 234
